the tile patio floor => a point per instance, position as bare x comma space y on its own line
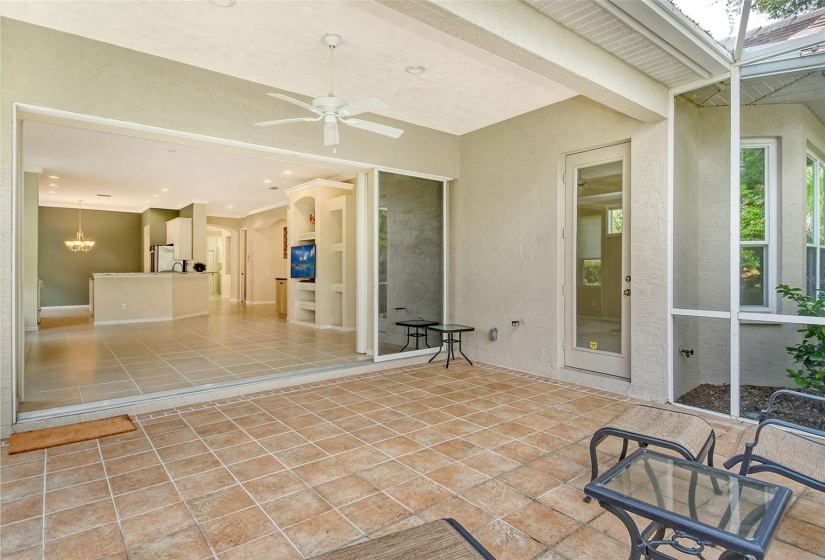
292, 473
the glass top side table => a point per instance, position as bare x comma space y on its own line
676, 494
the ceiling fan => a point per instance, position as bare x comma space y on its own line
333, 110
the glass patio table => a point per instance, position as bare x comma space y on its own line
739, 516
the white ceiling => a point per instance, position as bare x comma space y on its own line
278, 43
136, 170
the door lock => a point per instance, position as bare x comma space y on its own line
627, 278
627, 292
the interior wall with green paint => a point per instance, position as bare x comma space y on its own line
156, 219
65, 275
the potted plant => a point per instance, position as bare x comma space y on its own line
199, 267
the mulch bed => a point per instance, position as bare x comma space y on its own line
753, 399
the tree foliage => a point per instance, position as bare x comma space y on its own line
776, 9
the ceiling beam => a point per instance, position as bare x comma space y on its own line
517, 33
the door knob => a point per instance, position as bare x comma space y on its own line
627, 292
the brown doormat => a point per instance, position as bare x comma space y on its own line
63, 435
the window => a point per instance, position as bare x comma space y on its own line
614, 220
592, 272
757, 186
815, 224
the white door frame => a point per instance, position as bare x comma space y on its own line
593, 359
244, 268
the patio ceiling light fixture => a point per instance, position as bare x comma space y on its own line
79, 244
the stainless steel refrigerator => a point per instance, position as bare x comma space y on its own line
162, 258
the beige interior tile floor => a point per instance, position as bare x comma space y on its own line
292, 473
69, 360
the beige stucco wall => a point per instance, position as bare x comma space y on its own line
46, 68
506, 249
265, 249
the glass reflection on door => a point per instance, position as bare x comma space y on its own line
599, 284
410, 261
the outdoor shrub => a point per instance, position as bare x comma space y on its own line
810, 353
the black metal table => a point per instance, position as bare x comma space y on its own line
420, 326
674, 494
449, 332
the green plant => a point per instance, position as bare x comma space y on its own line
199, 267
810, 353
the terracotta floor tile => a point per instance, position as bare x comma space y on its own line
396, 446
217, 504
165, 426
82, 518
174, 437
126, 448
137, 480
496, 499
283, 442
192, 465
122, 465
11, 491
155, 524
457, 477
187, 544
558, 467
490, 463
204, 483
513, 429
274, 545
569, 501
425, 461
801, 535
274, 486
487, 438
470, 517
255, 468
339, 444
586, 543
529, 481
227, 439
105, 541
31, 553
240, 453
21, 470
457, 449
542, 523
782, 551
387, 474
321, 471
805, 510
361, 458
344, 490
458, 427
216, 428
374, 434
326, 532
373, 512
24, 508
271, 428
20, 535
28, 457
519, 451
405, 425
569, 432
237, 529
505, 542
544, 441
68, 461
182, 451
71, 477
296, 507
321, 431
418, 493
148, 499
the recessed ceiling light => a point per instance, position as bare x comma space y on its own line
287, 172
230, 207
415, 69
52, 192
53, 177
53, 185
165, 190
267, 180
156, 195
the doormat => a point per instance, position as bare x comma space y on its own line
64, 435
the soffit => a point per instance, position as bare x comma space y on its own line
665, 54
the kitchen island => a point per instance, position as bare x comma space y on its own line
137, 297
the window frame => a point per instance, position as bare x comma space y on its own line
608, 222
819, 165
770, 243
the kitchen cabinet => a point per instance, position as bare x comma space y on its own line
179, 234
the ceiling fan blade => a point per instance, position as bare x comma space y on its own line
294, 101
373, 127
362, 106
331, 137
284, 121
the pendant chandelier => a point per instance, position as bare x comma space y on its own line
79, 244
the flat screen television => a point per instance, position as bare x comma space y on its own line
302, 263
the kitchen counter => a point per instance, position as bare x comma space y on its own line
136, 297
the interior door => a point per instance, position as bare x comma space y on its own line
597, 288
244, 261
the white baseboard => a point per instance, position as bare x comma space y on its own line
260, 302
191, 315
28, 329
126, 321
65, 306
